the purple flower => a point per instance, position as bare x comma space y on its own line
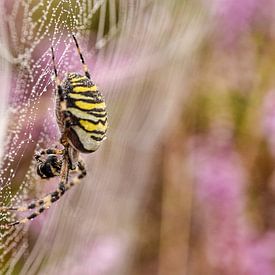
234, 18
101, 257
268, 120
260, 255
232, 244
220, 181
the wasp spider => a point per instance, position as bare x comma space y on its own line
82, 120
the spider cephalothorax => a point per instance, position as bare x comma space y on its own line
82, 120
50, 167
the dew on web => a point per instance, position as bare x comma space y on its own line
31, 28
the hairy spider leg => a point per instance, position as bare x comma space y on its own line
62, 102
38, 203
81, 174
53, 151
58, 84
44, 202
85, 67
57, 80
49, 199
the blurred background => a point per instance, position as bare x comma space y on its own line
185, 183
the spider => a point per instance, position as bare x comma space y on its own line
82, 120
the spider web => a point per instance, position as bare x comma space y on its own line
137, 52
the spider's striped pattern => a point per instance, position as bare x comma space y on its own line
82, 120
87, 111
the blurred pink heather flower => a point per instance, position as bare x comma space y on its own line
268, 120
260, 258
218, 171
220, 181
104, 256
234, 17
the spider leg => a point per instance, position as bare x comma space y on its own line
82, 173
58, 84
42, 203
45, 202
62, 102
48, 200
85, 67
53, 151
57, 80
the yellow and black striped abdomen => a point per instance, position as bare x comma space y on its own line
87, 113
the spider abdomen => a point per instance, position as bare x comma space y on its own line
86, 113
